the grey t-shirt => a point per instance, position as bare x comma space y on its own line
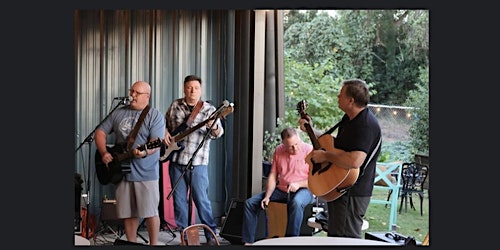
122, 122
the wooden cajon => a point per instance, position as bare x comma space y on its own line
276, 219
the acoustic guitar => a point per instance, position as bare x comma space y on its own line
120, 165
325, 180
167, 152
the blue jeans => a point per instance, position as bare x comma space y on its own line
295, 210
199, 187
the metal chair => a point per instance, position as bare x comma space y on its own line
190, 236
413, 176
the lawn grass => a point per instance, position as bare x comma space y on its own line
409, 223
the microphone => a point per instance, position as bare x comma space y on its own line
224, 104
124, 98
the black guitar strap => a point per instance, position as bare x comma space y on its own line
333, 128
133, 134
370, 157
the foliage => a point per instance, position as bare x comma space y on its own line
385, 48
419, 99
395, 151
308, 83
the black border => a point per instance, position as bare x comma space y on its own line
39, 46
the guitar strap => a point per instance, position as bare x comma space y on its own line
372, 154
193, 114
134, 132
333, 128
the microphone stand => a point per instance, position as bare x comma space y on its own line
190, 167
89, 139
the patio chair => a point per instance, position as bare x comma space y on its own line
190, 236
413, 176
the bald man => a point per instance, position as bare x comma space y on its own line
137, 193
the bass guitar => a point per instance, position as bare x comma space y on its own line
120, 165
325, 180
167, 152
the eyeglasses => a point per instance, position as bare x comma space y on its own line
132, 91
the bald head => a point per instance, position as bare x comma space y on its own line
140, 92
142, 86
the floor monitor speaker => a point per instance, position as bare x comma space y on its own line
231, 228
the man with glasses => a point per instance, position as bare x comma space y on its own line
287, 183
137, 194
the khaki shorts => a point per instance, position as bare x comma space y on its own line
137, 199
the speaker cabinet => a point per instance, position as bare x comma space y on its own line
232, 226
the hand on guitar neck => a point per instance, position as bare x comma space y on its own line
172, 142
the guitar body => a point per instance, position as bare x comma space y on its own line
115, 170
329, 183
166, 153
326, 180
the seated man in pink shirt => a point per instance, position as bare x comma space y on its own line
287, 183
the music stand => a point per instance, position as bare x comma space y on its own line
89, 139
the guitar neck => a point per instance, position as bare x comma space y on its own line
312, 136
181, 136
130, 154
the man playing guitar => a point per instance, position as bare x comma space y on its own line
356, 146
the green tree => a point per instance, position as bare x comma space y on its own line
419, 99
400, 48
386, 48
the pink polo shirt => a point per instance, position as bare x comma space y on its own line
290, 168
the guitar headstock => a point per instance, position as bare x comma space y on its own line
301, 108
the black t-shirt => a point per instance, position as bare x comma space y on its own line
361, 134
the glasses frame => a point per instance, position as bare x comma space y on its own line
132, 91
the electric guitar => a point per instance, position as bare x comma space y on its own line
115, 170
167, 152
325, 180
